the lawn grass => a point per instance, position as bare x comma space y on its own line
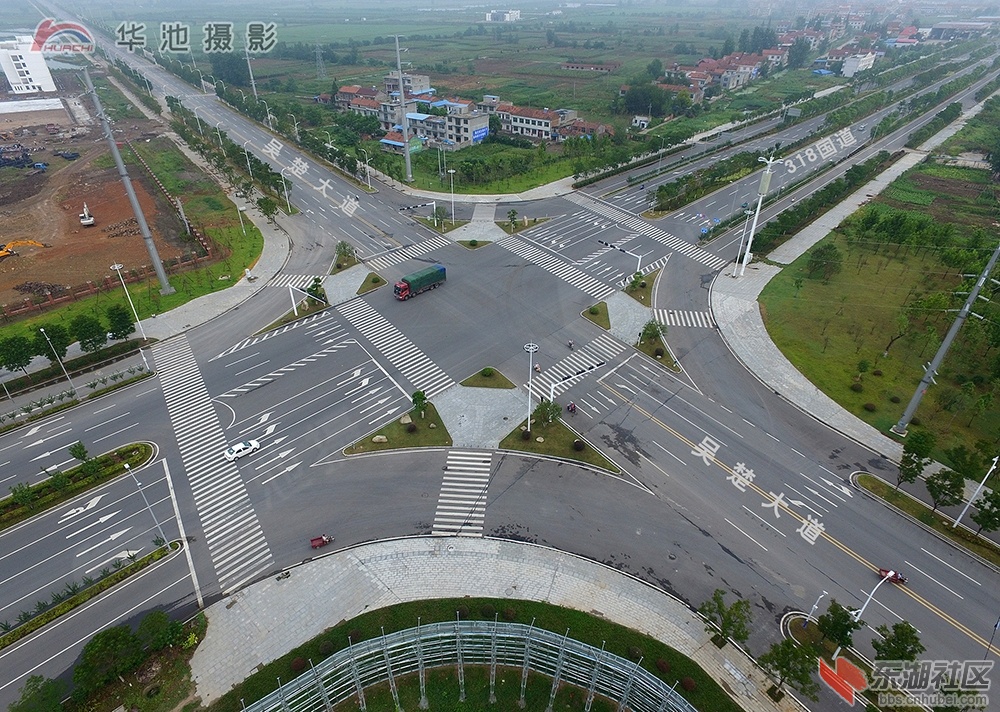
521, 224
494, 379
398, 438
372, 281
643, 291
442, 226
557, 441
935, 520
616, 639
599, 315
665, 359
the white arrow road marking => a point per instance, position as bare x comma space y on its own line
385, 415
44, 454
99, 544
838, 487
103, 519
355, 374
80, 510
33, 431
364, 396
289, 468
263, 419
278, 441
49, 437
376, 404
270, 428
624, 387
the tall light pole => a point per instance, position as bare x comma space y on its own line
813, 609
368, 169
295, 126
659, 160
268, 109
976, 493
72, 388
402, 117
138, 484
765, 184
736, 262
530, 348
218, 132
239, 211
284, 185
242, 94
253, 84
858, 613
218, 82
249, 169
925, 382
197, 120
451, 174
118, 268
201, 85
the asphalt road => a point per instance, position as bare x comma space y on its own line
686, 513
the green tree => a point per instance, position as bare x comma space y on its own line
120, 324
794, 664
419, 402
345, 252
916, 456
902, 642
798, 53
826, 260
316, 291
40, 694
23, 495
268, 207
653, 330
838, 624
89, 331
156, 630
729, 622
16, 353
946, 488
546, 412
112, 652
512, 219
59, 337
88, 465
655, 69
987, 514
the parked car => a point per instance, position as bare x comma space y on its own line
235, 452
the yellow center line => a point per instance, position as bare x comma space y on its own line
795, 515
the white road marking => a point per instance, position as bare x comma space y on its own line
933, 579
748, 536
764, 521
957, 571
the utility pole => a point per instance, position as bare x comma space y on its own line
925, 382
765, 185
402, 116
253, 84
147, 236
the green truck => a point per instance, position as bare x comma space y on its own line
413, 284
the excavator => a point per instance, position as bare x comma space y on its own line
7, 250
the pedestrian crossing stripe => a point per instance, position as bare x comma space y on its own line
309, 321
401, 254
681, 317
235, 541
274, 375
461, 508
552, 264
422, 373
302, 281
558, 377
641, 226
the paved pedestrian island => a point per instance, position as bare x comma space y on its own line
266, 620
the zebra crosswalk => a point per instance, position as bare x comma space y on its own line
550, 263
682, 317
405, 253
422, 373
300, 281
632, 222
319, 324
284, 370
461, 507
558, 377
235, 540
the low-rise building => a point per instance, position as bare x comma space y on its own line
857, 63
25, 70
412, 83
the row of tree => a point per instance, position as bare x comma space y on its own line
52, 340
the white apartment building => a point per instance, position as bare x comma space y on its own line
25, 70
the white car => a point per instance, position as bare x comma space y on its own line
238, 450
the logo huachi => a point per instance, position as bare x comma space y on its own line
59, 37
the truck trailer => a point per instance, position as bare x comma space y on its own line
413, 284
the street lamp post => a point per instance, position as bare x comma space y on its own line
218, 82
858, 613
451, 175
268, 109
813, 609
530, 348
118, 268
72, 388
138, 484
765, 184
295, 126
284, 185
748, 213
239, 211
659, 159
242, 94
247, 155
976, 493
218, 132
368, 169
201, 85
197, 120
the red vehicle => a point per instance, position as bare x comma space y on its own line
893, 576
317, 542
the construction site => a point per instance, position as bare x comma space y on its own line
64, 213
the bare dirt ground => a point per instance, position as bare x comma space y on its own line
46, 207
